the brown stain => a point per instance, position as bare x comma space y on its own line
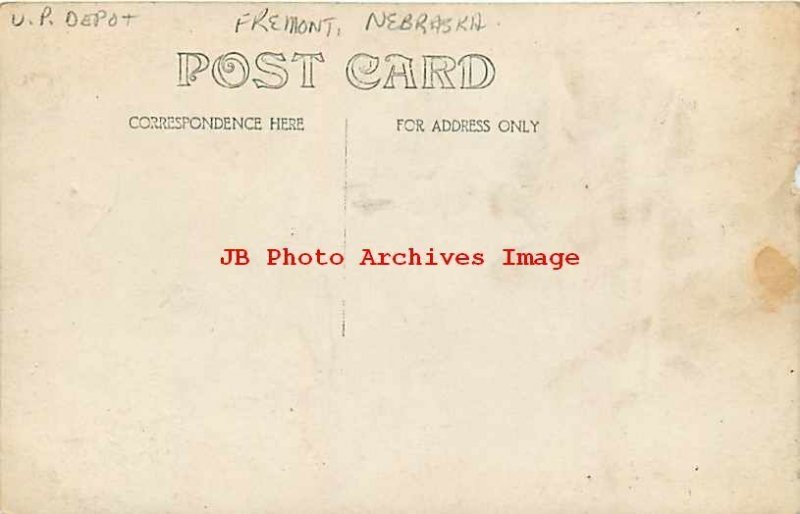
776, 275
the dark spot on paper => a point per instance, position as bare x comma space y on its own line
697, 468
620, 214
776, 275
34, 77
372, 205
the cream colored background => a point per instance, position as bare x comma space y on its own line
139, 375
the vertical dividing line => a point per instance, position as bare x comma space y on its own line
344, 317
344, 225
344, 187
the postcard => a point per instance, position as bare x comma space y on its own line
399, 258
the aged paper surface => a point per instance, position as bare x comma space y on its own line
607, 192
